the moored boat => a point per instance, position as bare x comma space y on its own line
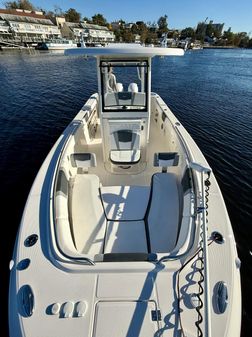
57, 44
125, 231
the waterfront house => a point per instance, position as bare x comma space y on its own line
27, 26
4, 30
92, 34
117, 25
71, 30
95, 33
129, 25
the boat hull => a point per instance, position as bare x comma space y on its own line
60, 282
55, 46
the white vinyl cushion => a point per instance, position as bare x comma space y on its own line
163, 218
125, 202
126, 237
88, 219
125, 156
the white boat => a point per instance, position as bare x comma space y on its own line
196, 46
57, 44
125, 232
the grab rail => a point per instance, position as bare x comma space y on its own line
204, 245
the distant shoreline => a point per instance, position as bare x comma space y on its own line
222, 47
2, 49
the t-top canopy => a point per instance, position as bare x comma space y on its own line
127, 50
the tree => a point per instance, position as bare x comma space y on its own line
228, 37
173, 34
153, 27
50, 15
187, 32
162, 25
235, 39
118, 35
58, 11
127, 36
201, 31
72, 15
142, 30
244, 40
217, 33
134, 29
121, 24
140, 23
20, 4
210, 31
151, 38
213, 31
98, 19
87, 20
11, 5
143, 36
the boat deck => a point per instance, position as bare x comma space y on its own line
143, 178
123, 212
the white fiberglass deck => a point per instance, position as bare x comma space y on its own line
120, 213
143, 177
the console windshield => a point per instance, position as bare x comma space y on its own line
124, 85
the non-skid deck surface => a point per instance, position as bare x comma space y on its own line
143, 178
125, 219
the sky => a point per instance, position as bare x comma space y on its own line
236, 14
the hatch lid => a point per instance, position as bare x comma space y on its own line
124, 319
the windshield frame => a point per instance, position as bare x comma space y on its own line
118, 63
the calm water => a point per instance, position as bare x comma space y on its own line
209, 91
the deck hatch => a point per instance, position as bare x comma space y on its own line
122, 319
